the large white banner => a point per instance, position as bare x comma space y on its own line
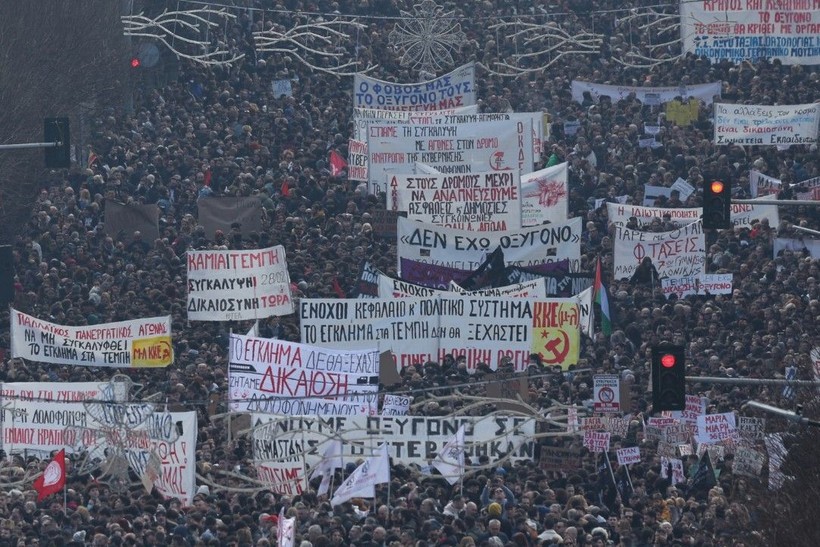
464, 250
139, 343
236, 285
363, 117
736, 30
279, 377
456, 148
765, 125
452, 90
763, 185
647, 95
681, 252
477, 202
743, 215
534, 288
410, 439
545, 196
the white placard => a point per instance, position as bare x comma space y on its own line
545, 196
714, 428
697, 285
681, 252
235, 285
396, 405
765, 125
627, 456
763, 185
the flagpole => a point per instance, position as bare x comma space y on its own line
629, 478
611, 472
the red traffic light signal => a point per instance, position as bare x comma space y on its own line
668, 378
668, 360
135, 62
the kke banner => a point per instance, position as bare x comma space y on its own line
279, 377
139, 343
410, 439
699, 285
545, 196
765, 125
237, 285
678, 253
647, 95
465, 250
479, 202
736, 30
458, 148
452, 90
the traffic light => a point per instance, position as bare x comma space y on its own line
135, 62
56, 130
717, 199
668, 378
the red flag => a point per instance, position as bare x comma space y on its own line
92, 159
208, 178
285, 189
337, 164
338, 289
53, 478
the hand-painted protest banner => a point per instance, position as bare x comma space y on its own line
765, 125
695, 406
736, 30
38, 426
606, 393
357, 159
280, 464
487, 330
808, 189
750, 428
402, 325
65, 392
464, 250
537, 288
364, 117
747, 462
559, 458
763, 185
396, 405
647, 95
451, 149
681, 252
411, 439
278, 377
597, 441
478, 202
697, 285
236, 284
452, 90
545, 196
742, 214
627, 456
676, 465
397, 288
714, 428
139, 343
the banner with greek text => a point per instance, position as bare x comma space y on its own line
647, 95
66, 392
743, 215
697, 285
545, 196
452, 149
763, 185
396, 405
285, 475
363, 117
537, 288
397, 288
279, 377
237, 285
765, 125
629, 455
410, 439
357, 158
478, 202
681, 252
737, 30
465, 250
714, 428
486, 330
139, 343
452, 90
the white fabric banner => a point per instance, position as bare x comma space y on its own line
396, 405
545, 196
763, 185
766, 125
397, 288
362, 482
681, 252
450, 462
464, 250
138, 343
535, 288
742, 214
736, 31
275, 376
812, 246
478, 202
452, 90
237, 285
647, 95
698, 285
363, 117
452, 149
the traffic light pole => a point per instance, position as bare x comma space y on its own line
783, 202
752, 381
25, 145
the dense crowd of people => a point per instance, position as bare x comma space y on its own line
221, 131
